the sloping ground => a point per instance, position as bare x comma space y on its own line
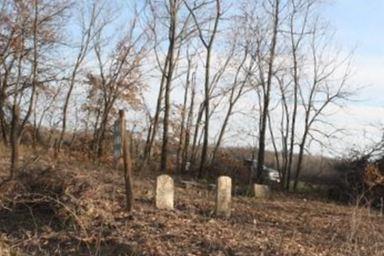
78, 209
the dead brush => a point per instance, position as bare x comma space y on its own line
5, 248
42, 201
365, 237
48, 206
363, 222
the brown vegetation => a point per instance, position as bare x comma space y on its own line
73, 207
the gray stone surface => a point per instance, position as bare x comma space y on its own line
262, 191
223, 196
165, 192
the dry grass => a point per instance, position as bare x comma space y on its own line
77, 208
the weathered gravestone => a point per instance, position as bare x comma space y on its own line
223, 196
262, 191
164, 192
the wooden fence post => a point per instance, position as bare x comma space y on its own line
127, 163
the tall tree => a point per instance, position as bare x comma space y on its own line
266, 84
207, 39
87, 33
31, 29
119, 78
327, 86
174, 6
171, 17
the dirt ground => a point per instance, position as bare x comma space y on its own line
77, 208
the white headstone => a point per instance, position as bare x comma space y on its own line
223, 196
262, 191
164, 192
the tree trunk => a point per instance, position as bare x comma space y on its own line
3, 126
196, 134
169, 77
183, 115
3, 121
14, 141
204, 150
261, 153
152, 132
300, 159
189, 127
222, 131
65, 110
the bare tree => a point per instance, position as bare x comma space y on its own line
327, 87
183, 114
242, 65
266, 77
185, 150
33, 32
87, 33
174, 6
171, 17
297, 33
298, 95
119, 77
207, 39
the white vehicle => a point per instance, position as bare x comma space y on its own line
271, 174
268, 174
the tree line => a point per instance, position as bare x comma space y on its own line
69, 66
